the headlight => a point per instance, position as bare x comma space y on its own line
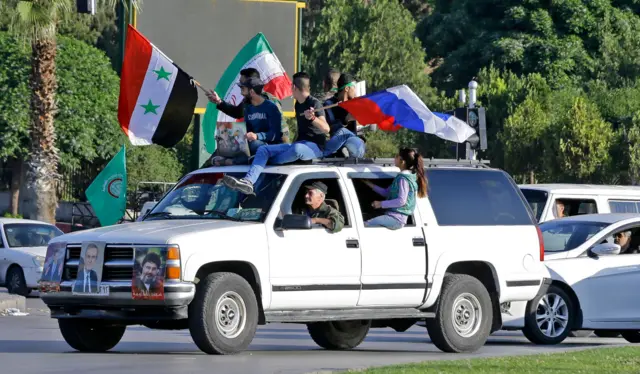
38, 261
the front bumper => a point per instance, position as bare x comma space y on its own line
119, 304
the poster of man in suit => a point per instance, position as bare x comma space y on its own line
90, 270
148, 274
53, 267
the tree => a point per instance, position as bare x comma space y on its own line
568, 42
14, 115
150, 163
579, 143
37, 22
634, 150
501, 92
523, 137
86, 121
357, 37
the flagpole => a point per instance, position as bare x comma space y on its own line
325, 107
200, 86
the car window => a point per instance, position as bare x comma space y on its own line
559, 236
537, 200
21, 235
476, 198
620, 206
201, 195
334, 197
628, 239
573, 207
366, 196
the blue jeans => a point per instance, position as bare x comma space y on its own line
385, 221
278, 154
346, 138
242, 158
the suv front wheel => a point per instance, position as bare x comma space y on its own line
464, 315
223, 317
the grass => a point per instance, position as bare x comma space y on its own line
591, 361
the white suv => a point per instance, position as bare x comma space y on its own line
232, 262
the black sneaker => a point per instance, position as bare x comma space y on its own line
241, 185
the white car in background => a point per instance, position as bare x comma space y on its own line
594, 263
23, 246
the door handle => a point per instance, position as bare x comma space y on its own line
418, 242
353, 243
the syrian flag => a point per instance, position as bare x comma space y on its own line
257, 54
157, 98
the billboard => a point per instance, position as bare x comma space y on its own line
203, 36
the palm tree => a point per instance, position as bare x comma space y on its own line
37, 21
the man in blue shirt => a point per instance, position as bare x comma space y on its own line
312, 135
262, 116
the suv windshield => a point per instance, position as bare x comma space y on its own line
204, 196
537, 200
559, 236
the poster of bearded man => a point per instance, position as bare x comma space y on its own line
148, 274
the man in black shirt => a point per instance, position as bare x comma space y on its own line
312, 136
343, 125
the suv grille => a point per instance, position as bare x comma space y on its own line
117, 266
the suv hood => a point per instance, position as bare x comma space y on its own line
149, 232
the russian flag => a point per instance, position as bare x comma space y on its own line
398, 107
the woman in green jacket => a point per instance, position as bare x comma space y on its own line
401, 195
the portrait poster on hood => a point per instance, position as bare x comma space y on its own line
53, 267
90, 270
148, 273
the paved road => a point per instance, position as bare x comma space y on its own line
33, 344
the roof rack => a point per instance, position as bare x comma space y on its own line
428, 162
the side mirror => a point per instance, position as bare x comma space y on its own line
295, 222
605, 249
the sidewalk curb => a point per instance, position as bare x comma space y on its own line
12, 301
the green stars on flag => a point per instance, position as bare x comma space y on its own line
162, 74
150, 108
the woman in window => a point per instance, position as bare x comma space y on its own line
401, 195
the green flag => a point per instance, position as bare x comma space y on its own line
107, 194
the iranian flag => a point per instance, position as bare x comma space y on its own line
257, 54
157, 98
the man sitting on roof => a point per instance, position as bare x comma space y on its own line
250, 81
312, 135
343, 125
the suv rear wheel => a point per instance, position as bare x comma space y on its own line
548, 317
223, 317
339, 335
464, 315
90, 335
